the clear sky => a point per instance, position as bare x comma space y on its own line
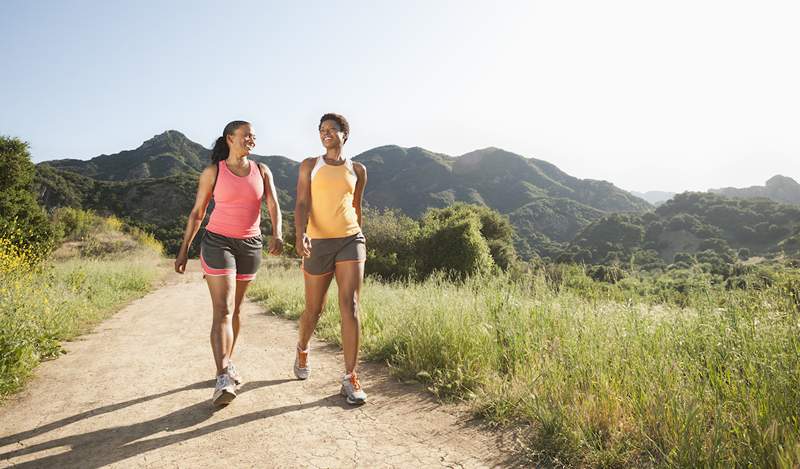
670, 95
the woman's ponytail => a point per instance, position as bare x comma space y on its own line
220, 150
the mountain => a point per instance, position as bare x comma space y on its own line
155, 185
545, 205
691, 227
778, 188
654, 197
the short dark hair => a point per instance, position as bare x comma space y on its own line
344, 126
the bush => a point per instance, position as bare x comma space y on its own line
494, 227
391, 244
74, 224
455, 247
606, 273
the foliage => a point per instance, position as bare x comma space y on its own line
22, 222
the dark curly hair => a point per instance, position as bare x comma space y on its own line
344, 126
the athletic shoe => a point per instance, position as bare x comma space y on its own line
351, 389
234, 374
301, 368
224, 391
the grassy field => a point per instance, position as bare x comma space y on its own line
595, 375
43, 304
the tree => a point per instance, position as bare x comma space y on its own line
22, 221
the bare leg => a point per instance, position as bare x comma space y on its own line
349, 277
316, 293
222, 294
241, 289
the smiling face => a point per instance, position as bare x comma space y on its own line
243, 140
330, 134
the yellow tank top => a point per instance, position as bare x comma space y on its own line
332, 212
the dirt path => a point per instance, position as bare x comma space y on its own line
136, 392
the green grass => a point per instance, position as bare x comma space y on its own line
595, 376
42, 307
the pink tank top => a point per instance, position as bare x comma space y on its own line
237, 203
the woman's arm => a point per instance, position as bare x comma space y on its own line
361, 183
302, 243
274, 209
204, 189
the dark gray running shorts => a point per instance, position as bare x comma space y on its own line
326, 253
221, 255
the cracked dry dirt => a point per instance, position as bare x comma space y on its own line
136, 393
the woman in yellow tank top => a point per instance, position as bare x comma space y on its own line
329, 239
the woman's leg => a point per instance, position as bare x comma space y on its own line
349, 277
316, 287
241, 289
222, 289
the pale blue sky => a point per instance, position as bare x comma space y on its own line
648, 95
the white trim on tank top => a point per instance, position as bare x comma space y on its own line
321, 162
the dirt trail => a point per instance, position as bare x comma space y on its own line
136, 392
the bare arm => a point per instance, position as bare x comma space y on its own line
274, 209
302, 207
204, 188
361, 183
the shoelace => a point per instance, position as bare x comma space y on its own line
354, 381
302, 359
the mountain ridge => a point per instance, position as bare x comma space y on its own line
546, 204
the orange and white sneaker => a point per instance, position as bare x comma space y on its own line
351, 389
301, 368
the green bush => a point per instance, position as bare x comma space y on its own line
494, 227
391, 244
455, 247
74, 224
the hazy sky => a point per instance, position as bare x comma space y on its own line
678, 95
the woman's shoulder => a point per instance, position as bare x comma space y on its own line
210, 170
309, 163
359, 167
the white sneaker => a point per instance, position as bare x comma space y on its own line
234, 374
351, 389
224, 391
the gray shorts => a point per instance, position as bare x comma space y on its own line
221, 255
326, 253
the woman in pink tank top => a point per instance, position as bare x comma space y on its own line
230, 251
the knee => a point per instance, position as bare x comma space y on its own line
223, 313
314, 313
350, 306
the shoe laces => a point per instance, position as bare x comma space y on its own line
302, 359
354, 381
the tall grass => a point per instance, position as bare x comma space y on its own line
45, 303
597, 377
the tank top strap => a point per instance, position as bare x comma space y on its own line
317, 166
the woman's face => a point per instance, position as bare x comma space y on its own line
243, 140
330, 134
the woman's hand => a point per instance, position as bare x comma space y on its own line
275, 246
303, 245
180, 262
